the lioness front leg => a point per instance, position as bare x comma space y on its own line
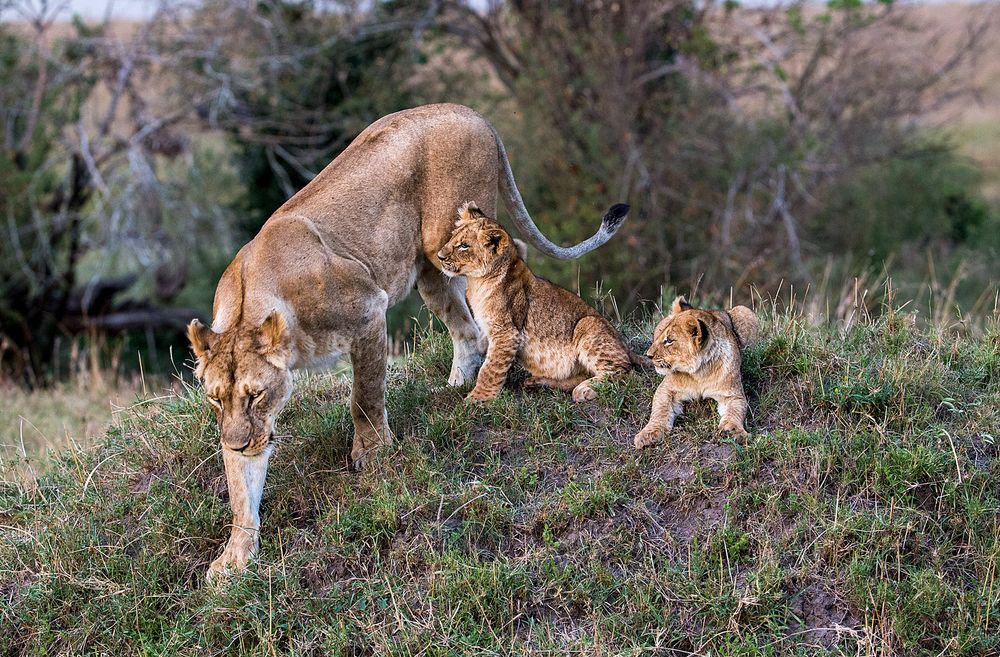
446, 299
245, 476
666, 408
732, 414
499, 357
368, 360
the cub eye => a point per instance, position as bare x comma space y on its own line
215, 401
667, 341
463, 247
255, 395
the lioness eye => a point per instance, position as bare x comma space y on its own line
463, 246
667, 341
215, 400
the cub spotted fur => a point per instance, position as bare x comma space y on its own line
698, 352
560, 340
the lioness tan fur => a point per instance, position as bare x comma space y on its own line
558, 338
699, 353
318, 278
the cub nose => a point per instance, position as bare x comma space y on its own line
440, 257
649, 353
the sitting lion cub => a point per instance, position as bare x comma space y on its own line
698, 352
560, 340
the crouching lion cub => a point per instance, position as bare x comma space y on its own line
698, 352
560, 340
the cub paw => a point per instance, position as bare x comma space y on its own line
478, 395
647, 438
730, 427
584, 393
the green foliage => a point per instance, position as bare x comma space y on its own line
531, 525
926, 197
334, 85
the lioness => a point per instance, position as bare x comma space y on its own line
698, 352
317, 279
560, 340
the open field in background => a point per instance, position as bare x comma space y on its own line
975, 124
859, 518
71, 413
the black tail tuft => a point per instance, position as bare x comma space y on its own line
615, 216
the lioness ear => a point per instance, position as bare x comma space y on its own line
273, 332
700, 333
680, 304
201, 338
495, 240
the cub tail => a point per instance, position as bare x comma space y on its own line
746, 324
639, 361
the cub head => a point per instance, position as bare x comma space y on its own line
681, 339
247, 379
478, 245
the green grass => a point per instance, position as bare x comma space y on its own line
860, 517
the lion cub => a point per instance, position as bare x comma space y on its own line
698, 352
560, 340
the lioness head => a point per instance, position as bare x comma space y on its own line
247, 379
681, 339
477, 245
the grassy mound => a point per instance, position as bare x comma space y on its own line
860, 517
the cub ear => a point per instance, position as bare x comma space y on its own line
700, 333
469, 211
273, 332
680, 304
495, 240
201, 338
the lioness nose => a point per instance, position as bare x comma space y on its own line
236, 443
649, 353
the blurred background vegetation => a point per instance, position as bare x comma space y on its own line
827, 147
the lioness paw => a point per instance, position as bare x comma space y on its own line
647, 438
234, 559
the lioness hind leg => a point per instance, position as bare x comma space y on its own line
446, 299
599, 351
